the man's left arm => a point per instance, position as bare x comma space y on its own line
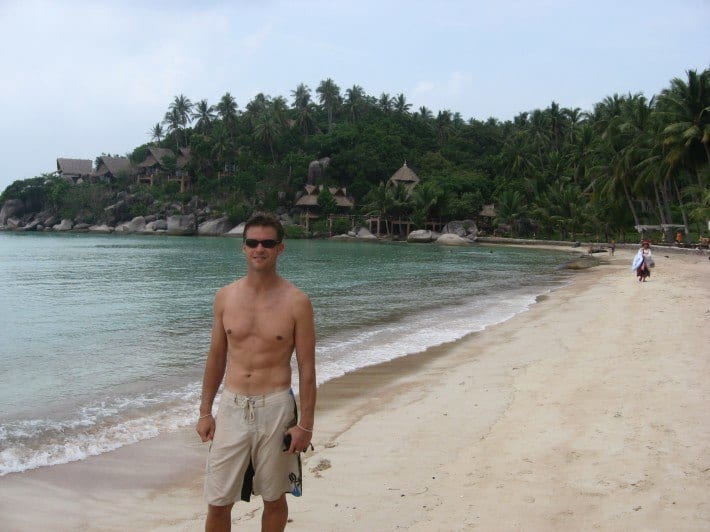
305, 345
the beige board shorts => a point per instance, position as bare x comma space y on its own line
247, 454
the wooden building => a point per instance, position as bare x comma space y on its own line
405, 176
110, 168
74, 169
155, 164
308, 202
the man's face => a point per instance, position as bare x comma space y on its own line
261, 257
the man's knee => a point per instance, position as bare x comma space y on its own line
219, 511
278, 505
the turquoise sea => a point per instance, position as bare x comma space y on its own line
103, 337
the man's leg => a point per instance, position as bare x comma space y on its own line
219, 518
275, 515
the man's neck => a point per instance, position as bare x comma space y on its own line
261, 280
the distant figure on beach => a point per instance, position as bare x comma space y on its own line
256, 438
613, 247
643, 261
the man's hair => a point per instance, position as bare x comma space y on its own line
262, 219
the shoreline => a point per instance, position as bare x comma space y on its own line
361, 473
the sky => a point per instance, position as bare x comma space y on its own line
86, 77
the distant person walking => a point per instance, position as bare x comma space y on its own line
643, 261
613, 247
256, 438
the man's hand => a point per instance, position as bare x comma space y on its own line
300, 439
205, 428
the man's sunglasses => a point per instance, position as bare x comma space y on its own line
253, 242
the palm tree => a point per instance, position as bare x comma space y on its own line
269, 121
222, 144
172, 120
181, 107
355, 102
156, 133
329, 97
510, 208
204, 114
227, 111
426, 114
425, 198
401, 105
685, 107
303, 109
444, 124
385, 102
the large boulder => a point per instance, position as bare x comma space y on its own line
215, 227
365, 234
100, 229
116, 212
237, 232
12, 208
181, 224
316, 169
34, 225
421, 236
157, 225
136, 225
451, 239
462, 228
65, 225
12, 222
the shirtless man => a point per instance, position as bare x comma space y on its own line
258, 322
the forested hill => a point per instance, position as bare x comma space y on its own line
630, 160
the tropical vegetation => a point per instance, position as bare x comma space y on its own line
555, 172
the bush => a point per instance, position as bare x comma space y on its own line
341, 226
237, 213
295, 231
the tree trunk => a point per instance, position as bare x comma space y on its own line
666, 201
682, 208
631, 204
661, 214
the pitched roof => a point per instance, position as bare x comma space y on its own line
74, 167
114, 166
404, 175
154, 157
488, 210
183, 158
310, 198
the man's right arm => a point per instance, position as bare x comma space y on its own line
214, 371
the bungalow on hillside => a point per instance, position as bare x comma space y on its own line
154, 164
110, 168
74, 169
405, 176
308, 202
484, 220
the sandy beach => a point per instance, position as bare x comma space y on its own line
587, 412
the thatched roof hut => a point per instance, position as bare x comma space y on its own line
488, 211
154, 158
74, 168
404, 175
112, 167
183, 157
310, 197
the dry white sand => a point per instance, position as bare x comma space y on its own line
587, 412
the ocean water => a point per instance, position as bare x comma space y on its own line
103, 337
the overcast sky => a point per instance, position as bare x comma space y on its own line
84, 77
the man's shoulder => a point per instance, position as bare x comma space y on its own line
293, 291
228, 289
